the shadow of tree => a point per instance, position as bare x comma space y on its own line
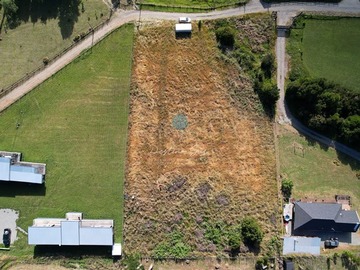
66, 11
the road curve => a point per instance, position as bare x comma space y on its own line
254, 6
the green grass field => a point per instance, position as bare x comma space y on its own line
319, 172
76, 122
23, 48
330, 49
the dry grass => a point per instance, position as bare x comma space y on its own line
221, 167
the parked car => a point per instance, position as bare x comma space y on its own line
184, 20
333, 242
7, 237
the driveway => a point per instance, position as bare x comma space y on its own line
8, 219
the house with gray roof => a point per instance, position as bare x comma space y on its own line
323, 217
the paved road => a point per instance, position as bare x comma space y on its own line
254, 6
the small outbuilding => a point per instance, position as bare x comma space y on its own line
72, 230
302, 245
14, 170
183, 28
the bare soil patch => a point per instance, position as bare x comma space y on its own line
220, 167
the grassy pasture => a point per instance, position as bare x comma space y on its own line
43, 34
76, 122
327, 48
317, 172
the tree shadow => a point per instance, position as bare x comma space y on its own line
13, 189
73, 252
345, 159
66, 11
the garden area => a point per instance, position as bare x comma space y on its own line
76, 122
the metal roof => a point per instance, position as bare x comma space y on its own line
71, 232
4, 169
309, 245
11, 169
183, 27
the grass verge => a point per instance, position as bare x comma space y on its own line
189, 6
316, 171
76, 122
326, 47
42, 34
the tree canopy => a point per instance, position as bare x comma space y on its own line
327, 108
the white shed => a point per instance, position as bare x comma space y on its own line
14, 170
183, 28
71, 231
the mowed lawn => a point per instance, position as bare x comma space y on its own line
317, 172
76, 123
331, 49
22, 49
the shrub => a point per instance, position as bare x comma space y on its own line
269, 94
268, 64
286, 188
225, 35
46, 60
251, 232
173, 248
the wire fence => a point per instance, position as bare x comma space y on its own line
48, 61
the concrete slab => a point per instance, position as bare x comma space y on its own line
8, 219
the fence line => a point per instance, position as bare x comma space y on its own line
82, 37
189, 8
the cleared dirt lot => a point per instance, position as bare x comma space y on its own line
221, 167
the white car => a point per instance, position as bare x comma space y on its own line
184, 20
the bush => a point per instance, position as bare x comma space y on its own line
225, 35
268, 65
46, 60
269, 94
251, 232
286, 188
173, 248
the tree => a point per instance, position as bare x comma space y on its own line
251, 232
286, 188
268, 64
225, 35
9, 7
268, 94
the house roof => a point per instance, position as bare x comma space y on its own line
324, 216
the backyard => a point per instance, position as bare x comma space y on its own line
317, 172
43, 31
76, 122
327, 47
